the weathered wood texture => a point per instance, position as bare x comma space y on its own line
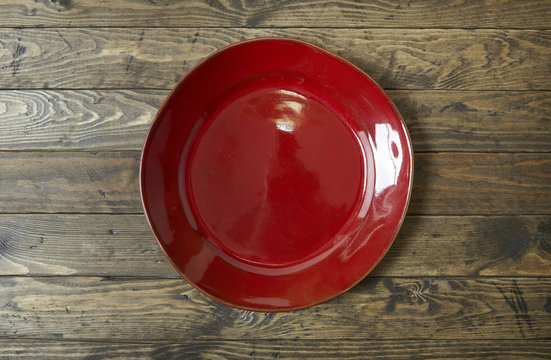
66, 120
157, 58
119, 119
476, 120
81, 245
106, 245
457, 183
312, 13
170, 309
469, 275
281, 349
107, 182
69, 182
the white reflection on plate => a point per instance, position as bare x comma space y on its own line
284, 122
387, 152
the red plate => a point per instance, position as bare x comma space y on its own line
276, 175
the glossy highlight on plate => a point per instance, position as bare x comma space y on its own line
276, 175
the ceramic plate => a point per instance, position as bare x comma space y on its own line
276, 175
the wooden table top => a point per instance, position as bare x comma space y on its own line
469, 275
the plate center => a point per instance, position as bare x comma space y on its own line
273, 176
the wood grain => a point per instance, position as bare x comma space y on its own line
69, 182
468, 277
388, 308
106, 245
478, 245
119, 119
312, 13
284, 349
107, 182
476, 120
157, 58
83, 119
473, 183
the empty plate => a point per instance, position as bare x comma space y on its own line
276, 175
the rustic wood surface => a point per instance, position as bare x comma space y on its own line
156, 58
118, 119
468, 277
281, 349
145, 309
532, 14
54, 244
107, 182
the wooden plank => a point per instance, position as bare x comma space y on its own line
312, 13
107, 245
478, 245
58, 244
119, 119
452, 183
69, 182
83, 119
445, 183
476, 120
388, 308
104, 245
284, 349
157, 58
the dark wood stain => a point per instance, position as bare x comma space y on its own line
130, 60
543, 236
517, 303
509, 240
65, 40
547, 305
60, 5
457, 106
18, 57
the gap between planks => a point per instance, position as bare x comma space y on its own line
207, 27
253, 340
